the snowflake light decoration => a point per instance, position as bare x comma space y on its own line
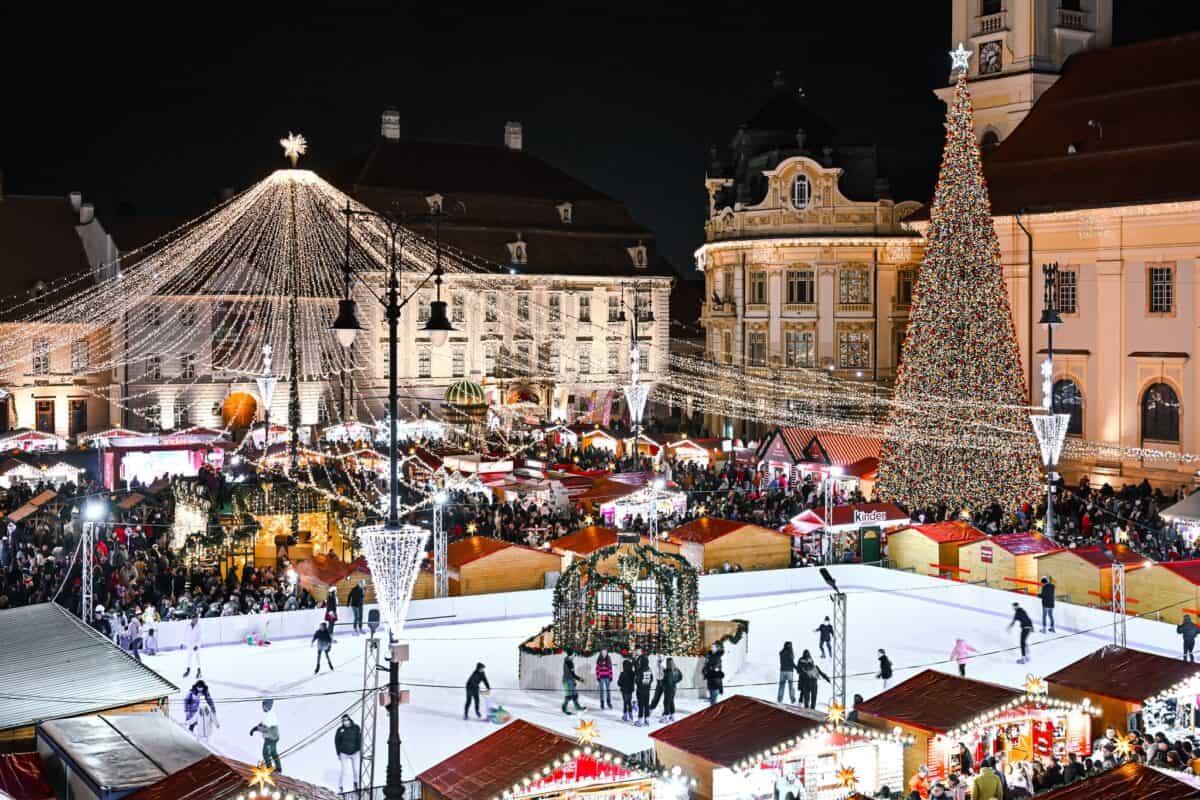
587, 731
1034, 684
837, 713
846, 777
1123, 745
294, 145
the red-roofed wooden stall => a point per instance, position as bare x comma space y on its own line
480, 565
708, 543
1076, 572
1171, 587
220, 778
1006, 561
931, 549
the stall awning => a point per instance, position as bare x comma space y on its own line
1130, 782
1124, 674
950, 532
1186, 510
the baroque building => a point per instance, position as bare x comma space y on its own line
806, 261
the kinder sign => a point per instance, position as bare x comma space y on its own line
885, 515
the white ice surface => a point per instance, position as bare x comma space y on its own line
915, 618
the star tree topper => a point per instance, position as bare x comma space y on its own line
294, 146
959, 58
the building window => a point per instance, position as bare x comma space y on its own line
424, 362
727, 346
585, 358
757, 352
153, 369
644, 357
80, 358
801, 287
153, 315
801, 191
554, 307
521, 364
458, 361
554, 357
989, 7
423, 308
854, 288
799, 348
153, 417
489, 358
1067, 399
854, 349
1068, 291
187, 366
523, 307
1160, 414
44, 415
490, 307
906, 281
187, 316
585, 308
78, 418
41, 356
614, 308
458, 308
183, 414
1161, 282
614, 359
758, 288
645, 305
727, 286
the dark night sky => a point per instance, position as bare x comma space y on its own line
161, 111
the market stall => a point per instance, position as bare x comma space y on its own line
789, 455
765, 750
481, 565
709, 544
1173, 587
320, 573
595, 437
1006, 561
1080, 574
146, 458
620, 498
584, 542
30, 441
1130, 782
17, 471
1132, 689
858, 528
1186, 516
932, 549
689, 451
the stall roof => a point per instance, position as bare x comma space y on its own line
22, 777
1024, 544
23, 512
840, 449
218, 778
1124, 674
703, 530
586, 540
131, 500
846, 515
55, 666
937, 701
750, 726
1130, 782
472, 548
1188, 570
124, 751
1104, 557
1187, 509
950, 532
43, 498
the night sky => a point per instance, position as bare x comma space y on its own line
152, 113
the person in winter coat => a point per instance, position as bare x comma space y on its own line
1021, 618
1073, 771
100, 623
986, 785
1046, 593
714, 677
134, 632
347, 742
960, 653
667, 684
331, 609
477, 677
355, 599
787, 672
643, 681
569, 682
919, 784
825, 629
853, 715
196, 699
269, 728
810, 675
966, 762
604, 676
1188, 630
192, 639
627, 682
885, 668
323, 639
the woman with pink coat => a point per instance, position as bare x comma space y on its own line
961, 652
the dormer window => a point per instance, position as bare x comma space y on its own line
566, 212
801, 191
517, 252
637, 254
435, 203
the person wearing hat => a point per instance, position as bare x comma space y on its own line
269, 728
347, 741
477, 677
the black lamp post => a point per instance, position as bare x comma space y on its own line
633, 343
346, 327
1050, 318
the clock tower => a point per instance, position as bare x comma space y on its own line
1017, 49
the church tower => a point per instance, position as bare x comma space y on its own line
1017, 49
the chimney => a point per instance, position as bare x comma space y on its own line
513, 135
87, 212
389, 124
76, 198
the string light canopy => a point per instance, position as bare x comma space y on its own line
1031, 699
394, 557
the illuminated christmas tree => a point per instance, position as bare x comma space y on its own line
962, 435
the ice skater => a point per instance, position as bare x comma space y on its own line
347, 742
1046, 594
1019, 616
810, 675
668, 682
569, 683
604, 676
644, 680
885, 668
961, 652
714, 676
192, 637
269, 728
1188, 630
626, 682
355, 599
331, 609
826, 631
199, 712
787, 673
134, 632
477, 677
323, 639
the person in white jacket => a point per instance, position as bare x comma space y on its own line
192, 632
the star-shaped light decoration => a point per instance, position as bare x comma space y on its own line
293, 146
262, 776
1123, 745
846, 777
587, 519
471, 528
587, 731
837, 713
959, 58
1034, 684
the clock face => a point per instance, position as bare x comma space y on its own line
989, 58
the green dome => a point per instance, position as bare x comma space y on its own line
465, 394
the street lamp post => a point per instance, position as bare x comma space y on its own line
1050, 318
94, 510
636, 392
346, 327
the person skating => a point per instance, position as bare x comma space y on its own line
478, 676
355, 599
885, 668
331, 609
604, 676
714, 677
960, 653
194, 705
269, 728
569, 683
643, 680
668, 682
1021, 618
347, 742
192, 638
1188, 630
825, 629
810, 674
1046, 593
323, 639
627, 682
787, 673
134, 632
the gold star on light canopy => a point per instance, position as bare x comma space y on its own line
1123, 745
846, 777
261, 776
586, 731
1034, 684
294, 146
837, 713
959, 58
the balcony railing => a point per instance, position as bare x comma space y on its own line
1075, 20
800, 308
991, 23
853, 308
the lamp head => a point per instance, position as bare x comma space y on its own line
373, 620
346, 325
1050, 317
825, 576
94, 510
438, 326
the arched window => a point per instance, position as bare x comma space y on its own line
1160, 413
1067, 399
801, 191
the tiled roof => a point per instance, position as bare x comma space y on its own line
842, 449
1131, 781
1188, 570
586, 540
1104, 558
472, 548
1124, 674
952, 531
219, 778
1024, 544
747, 726
703, 530
937, 701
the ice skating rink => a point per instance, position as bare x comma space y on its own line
914, 618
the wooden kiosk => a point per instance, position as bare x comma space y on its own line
1006, 561
708, 542
932, 549
1084, 574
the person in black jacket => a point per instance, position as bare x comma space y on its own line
667, 684
1074, 770
477, 677
347, 741
1046, 593
885, 668
810, 674
643, 678
1022, 618
331, 609
825, 629
626, 682
323, 639
787, 672
714, 677
570, 682
355, 599
1188, 630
